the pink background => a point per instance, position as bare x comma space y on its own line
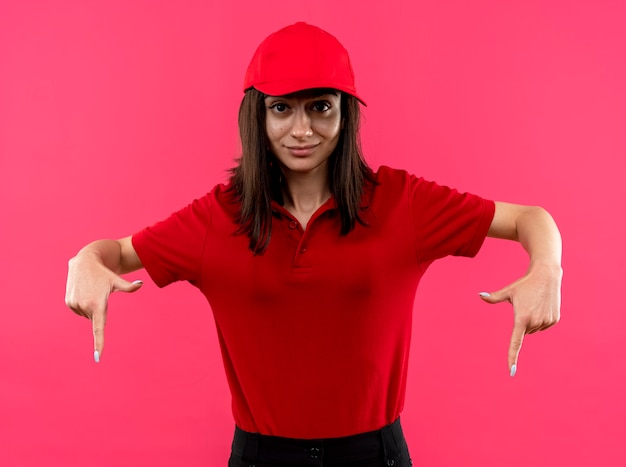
113, 114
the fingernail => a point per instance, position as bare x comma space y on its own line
484, 294
137, 282
96, 356
513, 370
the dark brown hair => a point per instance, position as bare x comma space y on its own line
256, 179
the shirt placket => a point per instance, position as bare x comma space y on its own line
302, 255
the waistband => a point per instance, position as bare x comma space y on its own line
385, 443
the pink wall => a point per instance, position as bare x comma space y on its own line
113, 114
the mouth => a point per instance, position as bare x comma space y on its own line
301, 151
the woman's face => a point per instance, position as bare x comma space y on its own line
303, 128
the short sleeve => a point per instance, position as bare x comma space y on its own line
171, 250
447, 222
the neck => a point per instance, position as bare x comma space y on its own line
304, 193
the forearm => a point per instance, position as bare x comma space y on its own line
534, 228
106, 252
540, 237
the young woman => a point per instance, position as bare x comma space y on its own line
310, 262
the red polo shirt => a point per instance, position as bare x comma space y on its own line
315, 333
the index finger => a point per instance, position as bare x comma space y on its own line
98, 320
517, 338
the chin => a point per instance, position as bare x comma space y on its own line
304, 165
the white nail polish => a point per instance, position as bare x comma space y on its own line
484, 294
513, 370
96, 356
137, 282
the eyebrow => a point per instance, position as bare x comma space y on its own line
324, 92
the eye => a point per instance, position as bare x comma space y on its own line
321, 106
278, 107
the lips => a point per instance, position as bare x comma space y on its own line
302, 151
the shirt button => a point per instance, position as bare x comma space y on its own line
303, 249
293, 225
315, 453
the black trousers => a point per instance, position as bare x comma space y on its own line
381, 448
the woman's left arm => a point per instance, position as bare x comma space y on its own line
536, 297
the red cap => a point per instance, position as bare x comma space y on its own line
300, 57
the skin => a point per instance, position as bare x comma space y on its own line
312, 121
303, 130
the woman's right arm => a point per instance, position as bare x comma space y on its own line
93, 274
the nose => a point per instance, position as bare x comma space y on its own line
302, 125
